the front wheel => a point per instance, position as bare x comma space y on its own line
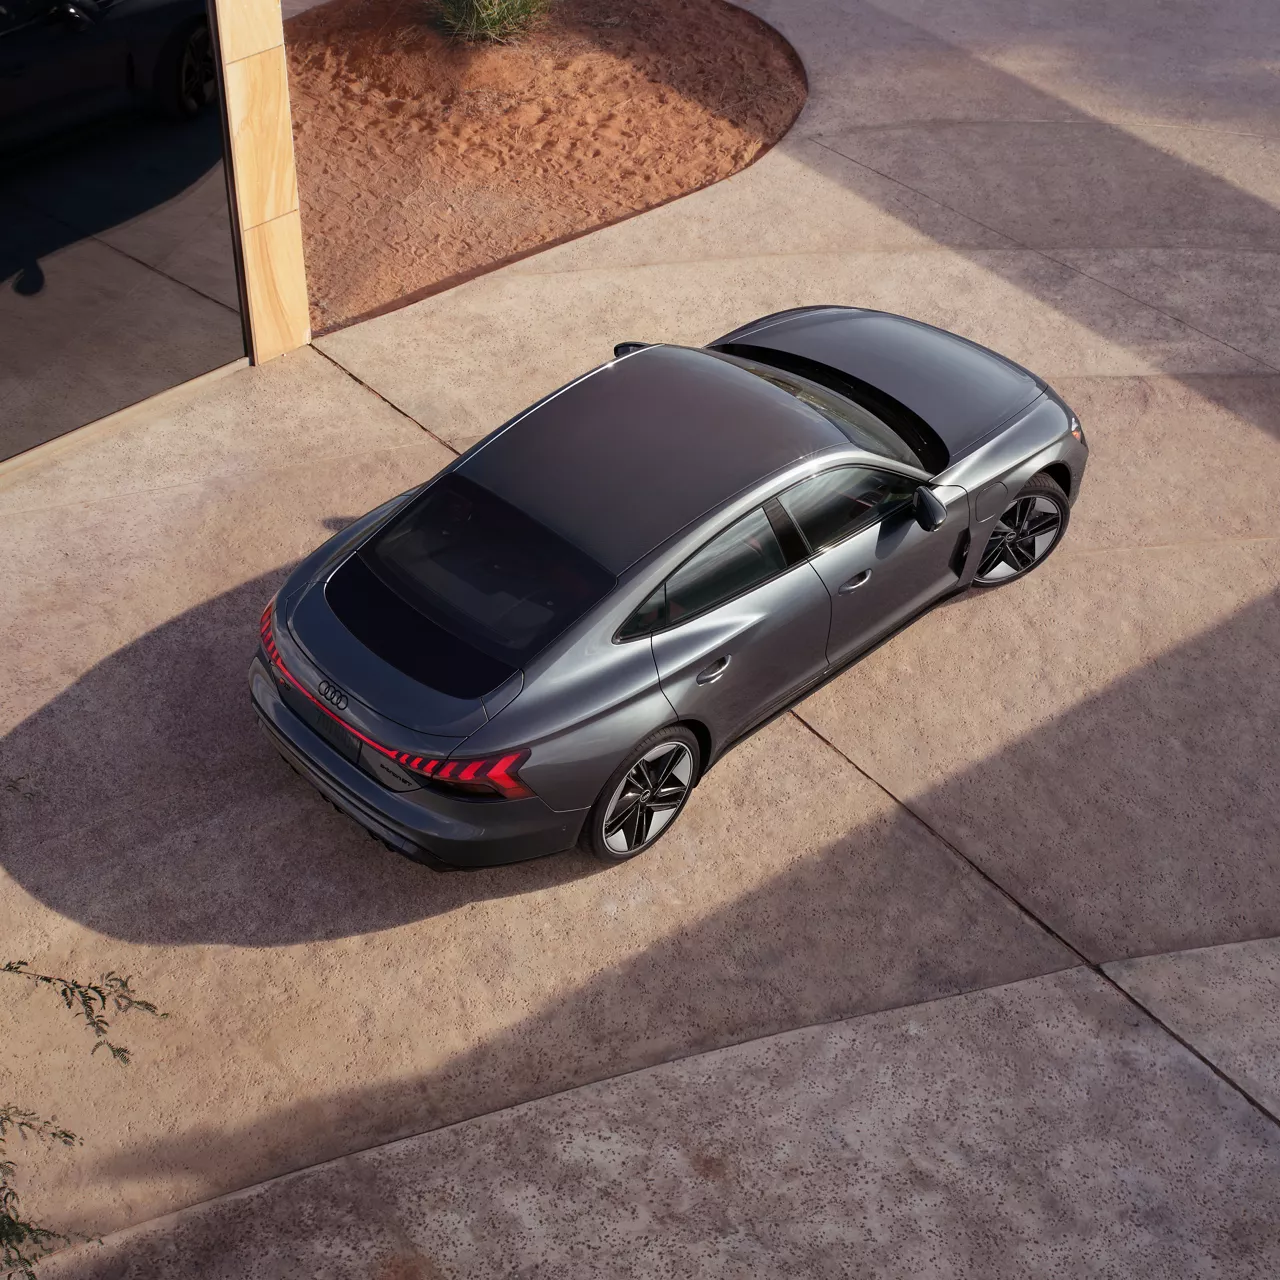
1026, 534
644, 796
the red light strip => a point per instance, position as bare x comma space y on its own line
269, 641
498, 775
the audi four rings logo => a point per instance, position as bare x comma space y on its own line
331, 693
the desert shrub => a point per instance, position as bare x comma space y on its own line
494, 20
22, 1243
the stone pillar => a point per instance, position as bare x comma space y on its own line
249, 39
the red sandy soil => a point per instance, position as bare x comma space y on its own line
422, 162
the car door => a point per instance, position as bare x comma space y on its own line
741, 627
878, 564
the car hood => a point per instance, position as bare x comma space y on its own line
961, 390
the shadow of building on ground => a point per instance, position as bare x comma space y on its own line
1179, 838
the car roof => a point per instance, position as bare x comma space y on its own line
625, 457
960, 389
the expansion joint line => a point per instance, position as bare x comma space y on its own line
373, 391
1030, 914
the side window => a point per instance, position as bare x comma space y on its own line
648, 617
743, 556
834, 504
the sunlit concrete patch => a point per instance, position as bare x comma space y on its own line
1175, 460
993, 1134
1100, 737
1142, 63
869, 66
902, 61
1225, 1001
326, 994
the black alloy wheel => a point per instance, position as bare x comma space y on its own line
1026, 534
644, 796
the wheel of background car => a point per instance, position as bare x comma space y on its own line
186, 78
1026, 533
643, 798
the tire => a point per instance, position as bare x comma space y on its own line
1026, 535
185, 80
673, 750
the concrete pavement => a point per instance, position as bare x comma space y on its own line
897, 1145
1094, 195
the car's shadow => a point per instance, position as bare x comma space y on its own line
1138, 820
144, 802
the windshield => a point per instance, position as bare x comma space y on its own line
861, 426
484, 571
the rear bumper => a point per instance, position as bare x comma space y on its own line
441, 832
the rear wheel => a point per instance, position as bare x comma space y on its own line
644, 796
1026, 534
186, 79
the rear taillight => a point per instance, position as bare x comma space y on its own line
491, 776
265, 634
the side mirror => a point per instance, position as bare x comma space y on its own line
626, 348
929, 511
76, 16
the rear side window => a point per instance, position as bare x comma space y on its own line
746, 554
484, 571
831, 506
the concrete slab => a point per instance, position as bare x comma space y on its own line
906, 61
297, 409
1223, 1000
1043, 1128
1175, 460
1142, 63
1098, 737
463, 362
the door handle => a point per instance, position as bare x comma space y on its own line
709, 675
858, 580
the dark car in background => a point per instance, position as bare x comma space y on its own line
550, 642
65, 62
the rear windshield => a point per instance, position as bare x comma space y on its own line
484, 571
866, 415
859, 425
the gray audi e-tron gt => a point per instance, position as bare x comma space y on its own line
552, 640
